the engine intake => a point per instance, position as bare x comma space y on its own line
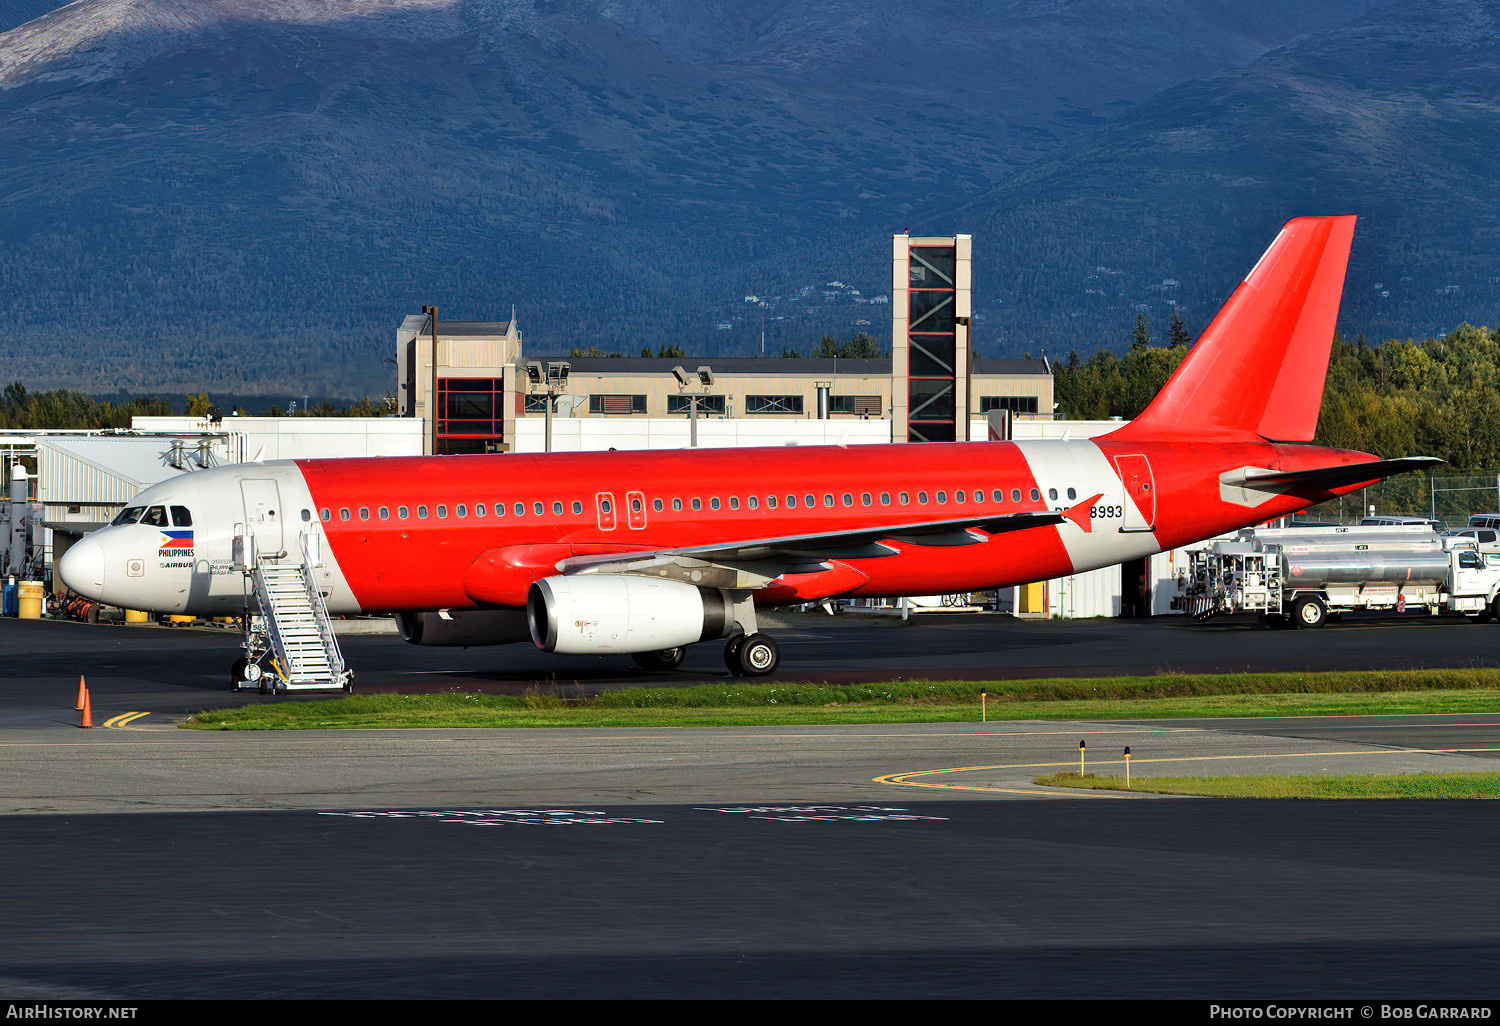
601, 613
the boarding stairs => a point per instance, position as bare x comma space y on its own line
291, 623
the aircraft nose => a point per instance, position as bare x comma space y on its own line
82, 568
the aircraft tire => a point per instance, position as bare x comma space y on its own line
758, 656
662, 659
732, 654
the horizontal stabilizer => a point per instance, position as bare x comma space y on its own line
1326, 478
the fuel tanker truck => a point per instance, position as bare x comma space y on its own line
1298, 576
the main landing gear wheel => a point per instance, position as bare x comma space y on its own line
1309, 611
661, 659
752, 655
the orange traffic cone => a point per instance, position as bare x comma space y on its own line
82, 690
88, 711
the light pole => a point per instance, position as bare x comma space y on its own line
553, 381
705, 377
432, 314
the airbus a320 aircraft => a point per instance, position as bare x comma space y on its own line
645, 553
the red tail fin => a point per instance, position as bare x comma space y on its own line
1259, 367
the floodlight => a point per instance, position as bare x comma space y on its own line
682, 377
534, 372
706, 376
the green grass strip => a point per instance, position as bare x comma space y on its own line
1172, 696
1398, 785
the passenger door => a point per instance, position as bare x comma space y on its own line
263, 515
1140, 490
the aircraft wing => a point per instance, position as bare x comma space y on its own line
1323, 478
756, 562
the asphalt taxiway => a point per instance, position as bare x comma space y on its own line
144, 861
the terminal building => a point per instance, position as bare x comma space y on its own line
490, 395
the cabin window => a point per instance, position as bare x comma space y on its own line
827, 499
364, 512
156, 516
998, 495
479, 509
885, 498
921, 498
942, 498
635, 506
791, 502
520, 509
1072, 494
714, 502
958, 495
578, 507
865, 499
344, 513
905, 499
1035, 495
385, 513
324, 514
182, 518
539, 509
460, 510
1015, 495
734, 502
810, 500
848, 499
697, 503
655, 504
442, 511
401, 511
770, 502
557, 509
130, 514
1051, 494
753, 502
677, 504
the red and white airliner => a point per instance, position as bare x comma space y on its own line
645, 553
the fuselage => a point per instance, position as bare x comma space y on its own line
457, 532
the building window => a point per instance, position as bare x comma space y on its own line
536, 404
622, 405
1013, 403
708, 405
856, 405
471, 414
767, 404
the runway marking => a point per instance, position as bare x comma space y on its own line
903, 779
119, 722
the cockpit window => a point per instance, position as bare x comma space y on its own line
156, 516
128, 515
181, 517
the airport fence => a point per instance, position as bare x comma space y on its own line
1451, 498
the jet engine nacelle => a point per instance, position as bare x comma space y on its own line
464, 627
600, 613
